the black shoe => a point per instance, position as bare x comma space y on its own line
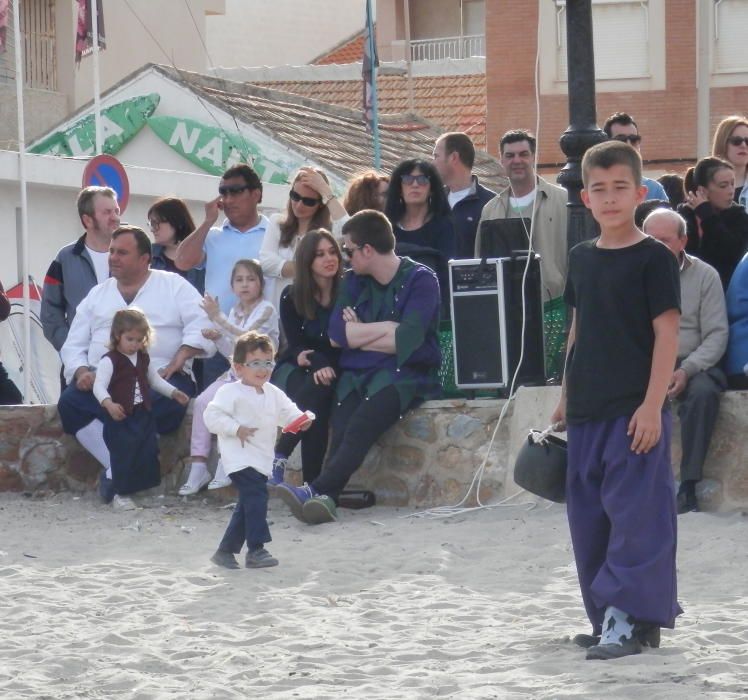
259, 559
648, 636
225, 559
603, 652
106, 488
687, 503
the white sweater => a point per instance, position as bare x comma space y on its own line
237, 404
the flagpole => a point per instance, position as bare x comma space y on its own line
96, 78
24, 205
374, 104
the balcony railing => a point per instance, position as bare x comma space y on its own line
448, 47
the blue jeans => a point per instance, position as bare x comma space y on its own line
249, 521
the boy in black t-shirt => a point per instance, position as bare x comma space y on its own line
624, 288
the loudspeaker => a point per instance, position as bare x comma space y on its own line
487, 313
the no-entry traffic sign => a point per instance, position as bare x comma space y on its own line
107, 171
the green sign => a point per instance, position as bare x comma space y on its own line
214, 150
119, 123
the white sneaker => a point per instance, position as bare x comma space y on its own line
123, 503
196, 481
220, 480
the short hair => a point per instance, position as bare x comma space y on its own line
142, 241
252, 266
247, 174
619, 118
672, 183
703, 172
438, 204
86, 197
249, 342
643, 210
724, 131
371, 227
127, 320
609, 153
674, 216
363, 192
460, 143
517, 135
174, 211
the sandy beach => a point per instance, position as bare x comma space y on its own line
104, 604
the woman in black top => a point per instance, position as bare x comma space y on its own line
307, 369
717, 227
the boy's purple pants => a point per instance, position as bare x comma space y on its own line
622, 517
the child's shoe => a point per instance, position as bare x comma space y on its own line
279, 470
295, 497
318, 510
123, 502
259, 558
225, 559
197, 480
220, 480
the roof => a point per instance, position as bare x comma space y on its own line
335, 137
349, 50
454, 102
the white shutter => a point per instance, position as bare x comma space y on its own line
730, 29
620, 30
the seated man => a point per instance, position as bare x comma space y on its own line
386, 320
702, 339
172, 306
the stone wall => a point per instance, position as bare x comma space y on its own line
428, 458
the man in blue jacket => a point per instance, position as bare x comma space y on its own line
454, 155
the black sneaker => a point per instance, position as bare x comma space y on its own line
648, 636
260, 559
602, 652
225, 559
687, 503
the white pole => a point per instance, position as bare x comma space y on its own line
96, 80
703, 74
24, 205
408, 58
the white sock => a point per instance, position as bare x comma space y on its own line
220, 473
617, 624
91, 437
198, 472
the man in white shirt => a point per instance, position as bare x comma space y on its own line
81, 265
172, 306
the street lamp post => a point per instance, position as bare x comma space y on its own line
583, 131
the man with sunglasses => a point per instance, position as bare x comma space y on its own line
621, 127
239, 237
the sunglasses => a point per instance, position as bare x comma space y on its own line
226, 190
306, 201
421, 180
259, 364
633, 139
738, 140
348, 252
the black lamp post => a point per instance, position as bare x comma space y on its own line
583, 131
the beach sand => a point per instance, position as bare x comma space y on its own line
102, 604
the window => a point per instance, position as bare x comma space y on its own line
730, 23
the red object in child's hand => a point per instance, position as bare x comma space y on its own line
295, 425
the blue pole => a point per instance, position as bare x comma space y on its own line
374, 105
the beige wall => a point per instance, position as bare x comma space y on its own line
430, 19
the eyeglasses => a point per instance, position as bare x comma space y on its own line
226, 190
633, 139
421, 180
306, 201
738, 140
348, 252
259, 364
153, 224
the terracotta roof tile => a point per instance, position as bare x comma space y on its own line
350, 51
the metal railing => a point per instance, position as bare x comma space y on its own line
448, 47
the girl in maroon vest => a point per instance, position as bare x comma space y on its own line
124, 378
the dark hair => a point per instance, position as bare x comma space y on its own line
363, 192
252, 266
394, 208
244, 171
644, 209
126, 320
370, 227
461, 144
174, 211
517, 135
86, 197
249, 342
305, 291
673, 186
289, 226
609, 153
142, 241
703, 172
618, 118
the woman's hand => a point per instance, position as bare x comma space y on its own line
325, 376
302, 360
350, 316
211, 334
694, 199
210, 306
311, 178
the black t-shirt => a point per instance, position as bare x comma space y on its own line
736, 196
617, 293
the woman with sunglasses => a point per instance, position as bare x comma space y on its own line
419, 212
311, 205
731, 144
717, 227
307, 369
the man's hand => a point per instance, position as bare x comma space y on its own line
244, 433
646, 427
172, 368
180, 397
302, 359
115, 410
677, 384
84, 379
212, 210
325, 376
558, 417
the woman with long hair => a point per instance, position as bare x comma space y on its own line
717, 226
311, 205
307, 368
731, 144
366, 191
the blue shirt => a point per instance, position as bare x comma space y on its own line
223, 246
655, 190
